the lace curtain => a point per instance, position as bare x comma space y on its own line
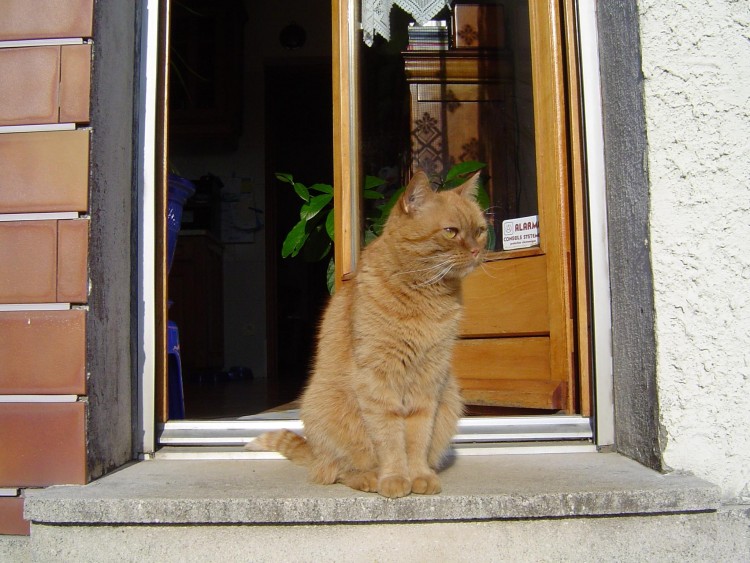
376, 15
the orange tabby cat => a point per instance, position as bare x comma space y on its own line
382, 404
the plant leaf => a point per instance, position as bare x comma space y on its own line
330, 224
372, 194
463, 168
284, 177
370, 235
314, 206
372, 182
386, 209
325, 188
318, 245
294, 240
458, 173
331, 276
491, 238
301, 191
483, 198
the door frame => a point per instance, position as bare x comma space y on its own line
602, 370
345, 46
345, 110
146, 323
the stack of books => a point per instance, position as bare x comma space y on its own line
432, 36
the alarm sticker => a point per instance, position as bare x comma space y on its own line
521, 233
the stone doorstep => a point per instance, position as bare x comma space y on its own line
474, 488
493, 487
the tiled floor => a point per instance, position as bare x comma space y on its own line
228, 398
225, 398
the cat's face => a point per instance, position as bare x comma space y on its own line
442, 235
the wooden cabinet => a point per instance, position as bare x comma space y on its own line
462, 108
195, 290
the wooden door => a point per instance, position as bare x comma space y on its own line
518, 346
161, 169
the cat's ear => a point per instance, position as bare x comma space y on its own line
470, 188
416, 193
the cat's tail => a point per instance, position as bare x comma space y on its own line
292, 446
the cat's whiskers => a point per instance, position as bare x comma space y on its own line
434, 272
486, 270
449, 262
438, 276
489, 214
442, 269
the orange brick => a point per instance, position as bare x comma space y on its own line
28, 254
43, 352
44, 171
29, 89
11, 517
44, 19
43, 444
72, 261
75, 85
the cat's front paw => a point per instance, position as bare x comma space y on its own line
394, 486
427, 484
366, 481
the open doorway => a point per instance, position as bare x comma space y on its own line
298, 142
249, 96
257, 100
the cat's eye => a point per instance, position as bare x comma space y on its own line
450, 232
480, 232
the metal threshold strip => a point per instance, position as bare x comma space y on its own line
226, 453
223, 439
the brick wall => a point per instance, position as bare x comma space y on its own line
45, 70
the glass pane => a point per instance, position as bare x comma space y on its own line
456, 90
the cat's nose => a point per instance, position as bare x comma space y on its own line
475, 252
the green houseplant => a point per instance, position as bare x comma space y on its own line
312, 236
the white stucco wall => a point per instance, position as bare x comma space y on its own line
696, 66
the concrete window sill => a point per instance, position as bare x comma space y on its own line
474, 488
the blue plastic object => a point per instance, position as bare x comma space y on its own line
179, 190
174, 363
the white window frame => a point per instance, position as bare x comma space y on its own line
150, 435
146, 260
